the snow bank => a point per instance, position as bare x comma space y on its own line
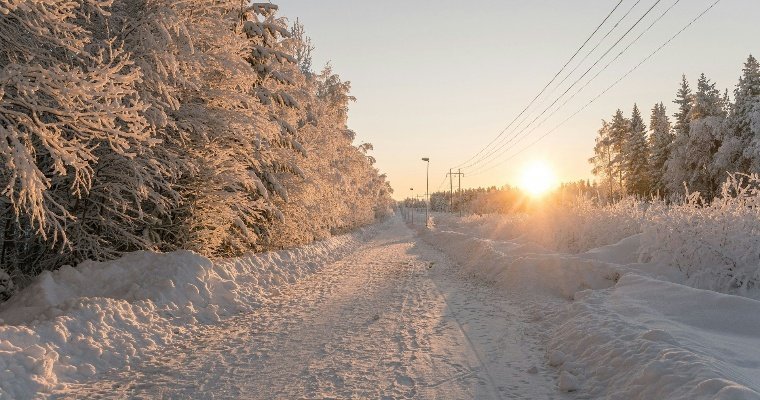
650, 339
74, 322
632, 330
524, 267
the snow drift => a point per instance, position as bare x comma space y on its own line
77, 321
621, 329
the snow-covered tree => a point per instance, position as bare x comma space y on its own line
738, 151
602, 162
619, 130
684, 100
341, 188
303, 48
157, 125
635, 157
75, 136
660, 140
692, 154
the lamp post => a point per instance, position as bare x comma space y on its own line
427, 189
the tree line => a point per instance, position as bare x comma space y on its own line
709, 136
161, 125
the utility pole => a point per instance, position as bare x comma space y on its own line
411, 212
460, 174
427, 189
451, 191
451, 183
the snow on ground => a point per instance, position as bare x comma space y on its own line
76, 322
626, 330
476, 309
392, 321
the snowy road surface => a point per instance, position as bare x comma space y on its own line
392, 320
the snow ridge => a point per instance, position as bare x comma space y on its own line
77, 321
619, 329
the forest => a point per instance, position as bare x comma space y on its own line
161, 125
709, 137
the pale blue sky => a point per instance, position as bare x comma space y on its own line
441, 79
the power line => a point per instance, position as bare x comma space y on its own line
652, 54
598, 43
522, 134
545, 87
491, 153
442, 182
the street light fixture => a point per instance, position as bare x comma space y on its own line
427, 189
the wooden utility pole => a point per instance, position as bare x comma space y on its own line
451, 191
451, 183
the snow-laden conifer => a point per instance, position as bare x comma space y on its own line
660, 140
635, 157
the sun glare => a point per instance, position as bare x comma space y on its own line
537, 179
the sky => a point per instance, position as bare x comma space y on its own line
441, 79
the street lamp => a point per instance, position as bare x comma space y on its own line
427, 189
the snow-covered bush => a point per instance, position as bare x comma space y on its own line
716, 245
572, 227
582, 225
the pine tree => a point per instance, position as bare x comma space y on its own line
660, 140
635, 156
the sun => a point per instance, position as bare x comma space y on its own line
537, 178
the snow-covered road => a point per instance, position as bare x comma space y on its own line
391, 320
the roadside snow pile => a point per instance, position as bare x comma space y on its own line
75, 322
650, 339
633, 329
526, 268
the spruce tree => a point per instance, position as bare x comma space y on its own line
684, 99
739, 151
694, 150
635, 156
660, 139
619, 128
707, 100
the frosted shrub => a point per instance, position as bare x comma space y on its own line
717, 246
580, 225
572, 226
